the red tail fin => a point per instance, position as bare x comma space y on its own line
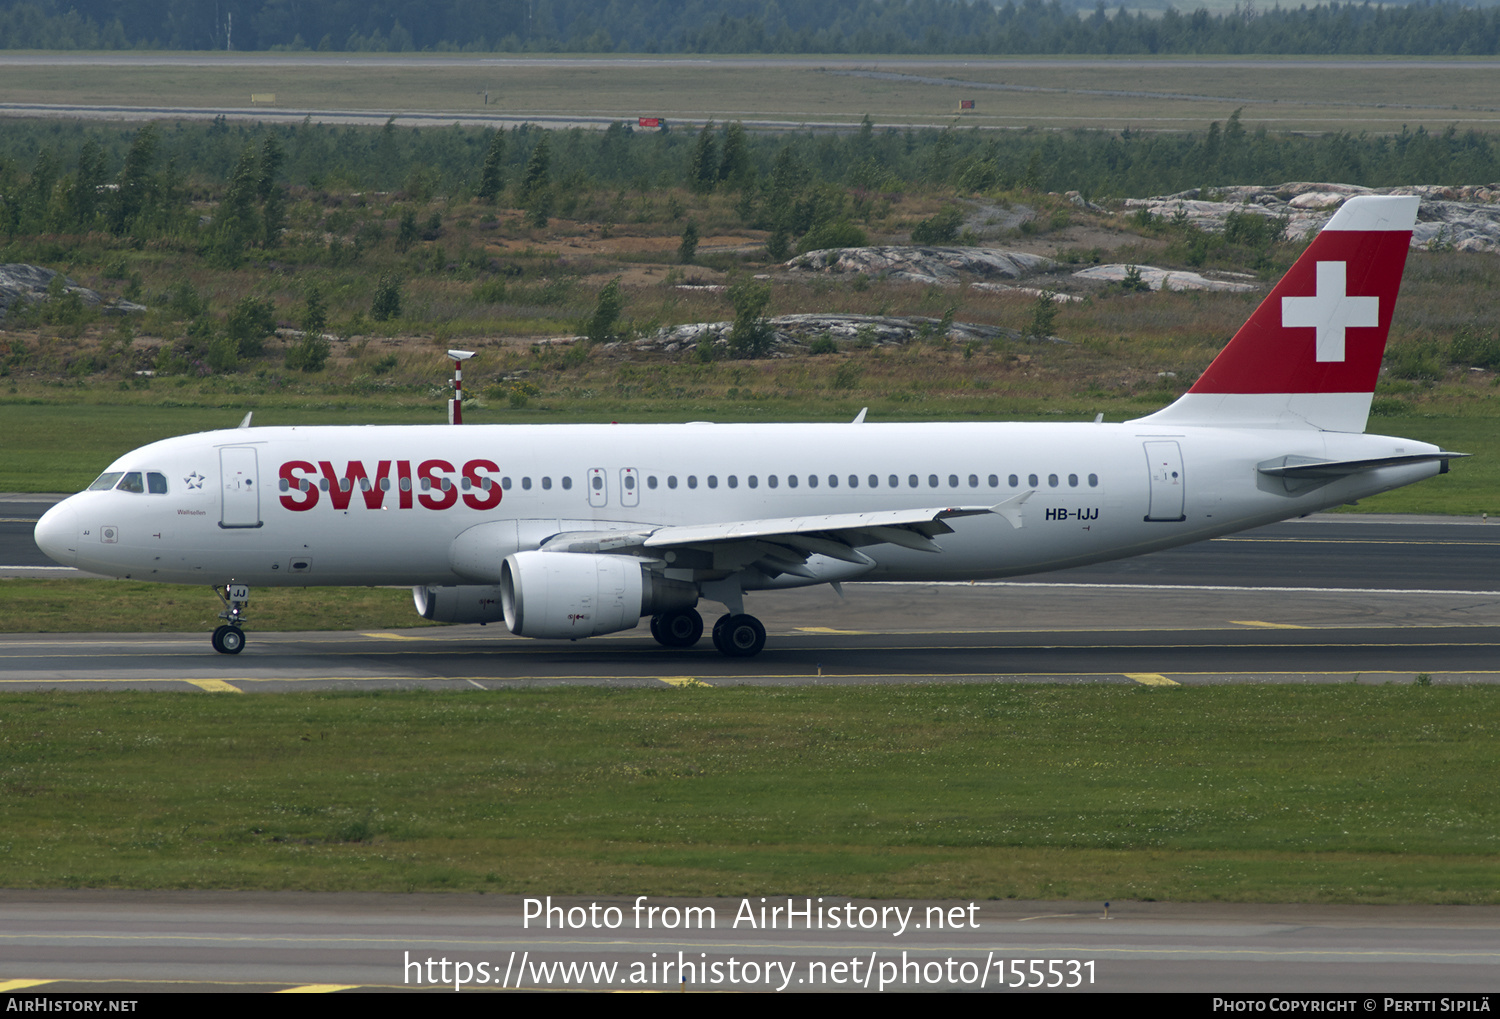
1311, 353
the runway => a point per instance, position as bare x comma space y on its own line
1327, 599
92, 943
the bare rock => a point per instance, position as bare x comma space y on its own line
1166, 279
933, 266
1459, 217
29, 283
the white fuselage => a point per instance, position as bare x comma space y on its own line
235, 512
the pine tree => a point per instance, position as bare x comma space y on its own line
492, 177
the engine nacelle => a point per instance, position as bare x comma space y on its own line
462, 604
568, 595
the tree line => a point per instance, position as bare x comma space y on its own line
76, 177
1030, 27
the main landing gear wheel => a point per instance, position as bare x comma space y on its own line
229, 640
739, 636
677, 629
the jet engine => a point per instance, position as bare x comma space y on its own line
569, 595
463, 604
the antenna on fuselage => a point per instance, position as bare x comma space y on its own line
456, 405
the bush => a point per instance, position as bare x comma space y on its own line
602, 324
833, 234
250, 321
751, 335
940, 229
387, 303
1474, 350
309, 354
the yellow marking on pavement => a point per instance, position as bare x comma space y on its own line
214, 686
1271, 626
318, 988
393, 636
683, 681
831, 630
21, 985
1151, 679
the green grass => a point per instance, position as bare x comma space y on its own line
1368, 95
1247, 793
127, 606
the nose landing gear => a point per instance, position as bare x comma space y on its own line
229, 639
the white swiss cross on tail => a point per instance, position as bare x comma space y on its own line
1330, 311
1273, 373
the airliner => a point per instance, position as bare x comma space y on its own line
571, 531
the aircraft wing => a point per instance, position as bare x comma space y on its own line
785, 543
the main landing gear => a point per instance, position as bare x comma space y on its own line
229, 639
735, 635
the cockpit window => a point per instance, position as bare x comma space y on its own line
105, 481
131, 482
156, 483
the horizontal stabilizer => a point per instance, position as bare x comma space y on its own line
1308, 467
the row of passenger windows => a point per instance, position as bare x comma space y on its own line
137, 482
833, 481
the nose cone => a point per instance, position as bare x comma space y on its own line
57, 533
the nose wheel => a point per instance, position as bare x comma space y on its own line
229, 639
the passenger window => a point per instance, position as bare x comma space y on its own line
284, 486
630, 482
567, 484
598, 483
911, 481
546, 484
1093, 481
446, 484
1015, 482
463, 483
405, 484
771, 481
303, 486
345, 484
671, 481
953, 481
650, 482
427, 484
131, 482
525, 484
791, 481
692, 481
812, 481
713, 481
156, 484
833, 481
751, 481
932, 481
1052, 480
973, 481
895, 482
1031, 480
104, 482
1072, 481
994, 481
365, 486
385, 484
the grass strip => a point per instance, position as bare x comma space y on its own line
1247, 793
129, 606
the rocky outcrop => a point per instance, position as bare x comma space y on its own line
1168, 279
1463, 218
797, 331
933, 266
29, 283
